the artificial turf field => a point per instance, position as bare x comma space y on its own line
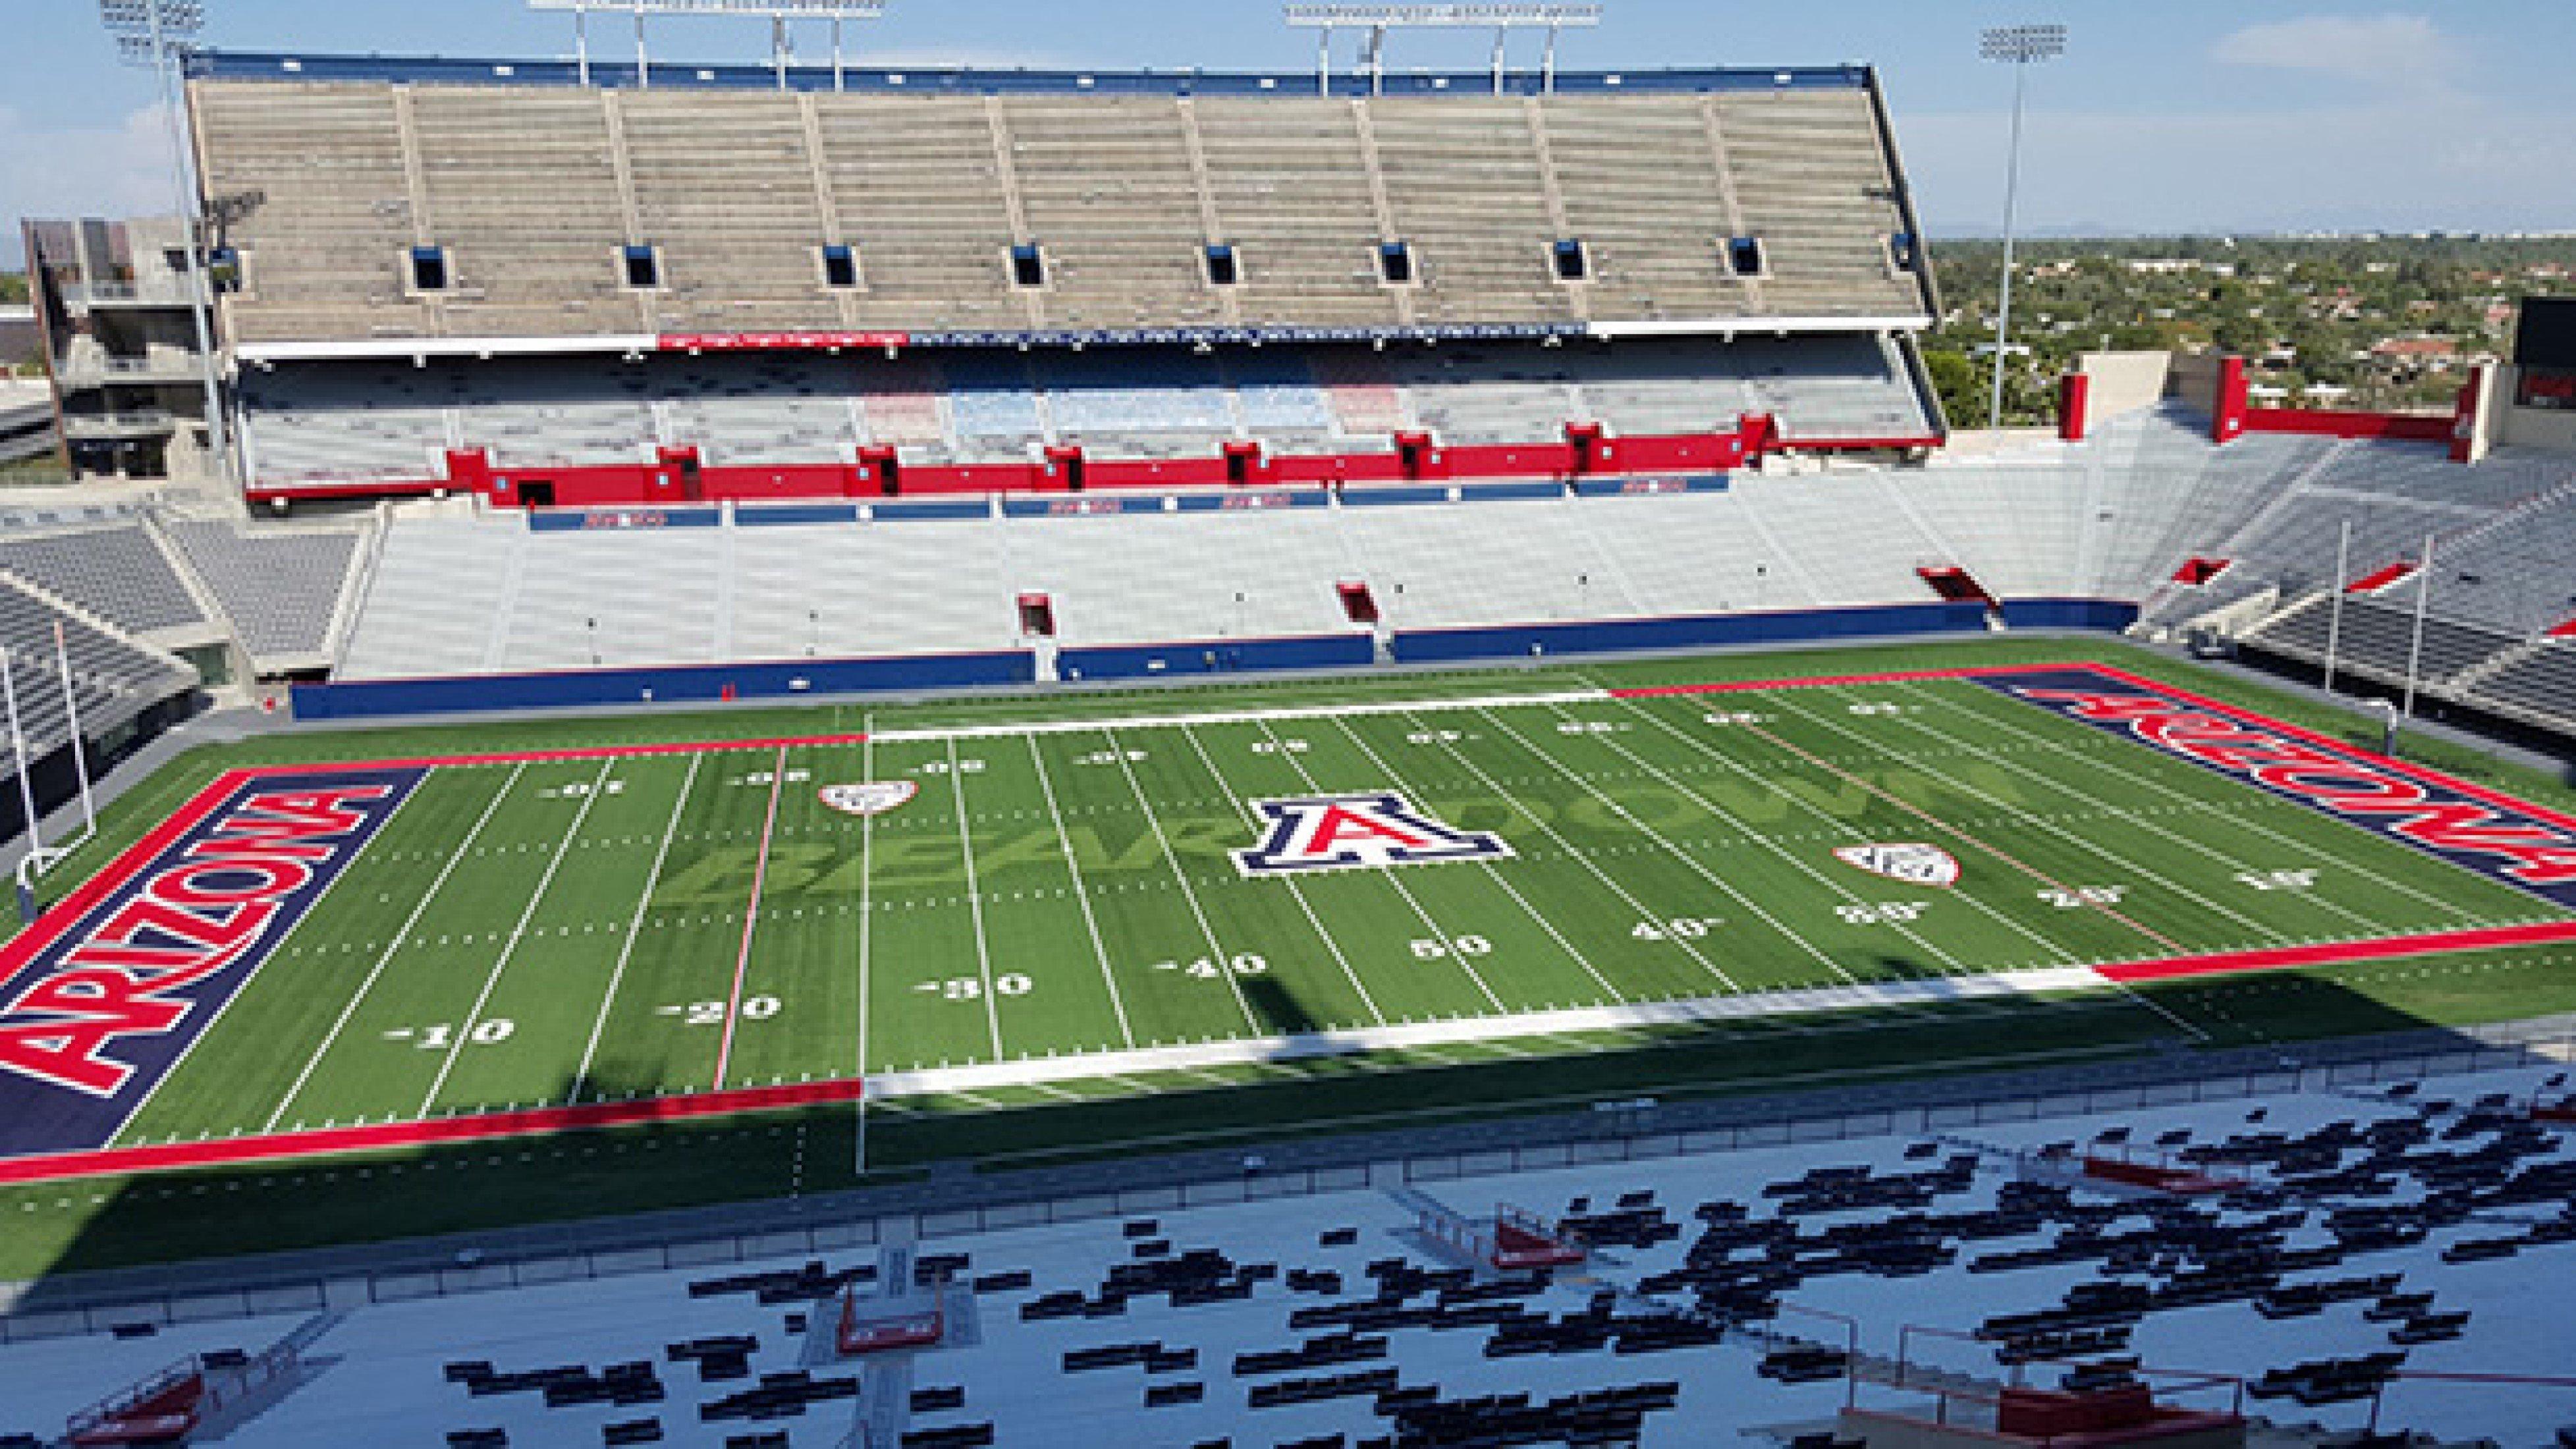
1061, 897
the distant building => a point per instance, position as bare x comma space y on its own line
112, 307
20, 340
26, 419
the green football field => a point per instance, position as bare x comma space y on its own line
1064, 896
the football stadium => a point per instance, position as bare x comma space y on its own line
875, 755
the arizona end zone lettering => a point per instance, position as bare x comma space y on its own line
2489, 837
100, 1007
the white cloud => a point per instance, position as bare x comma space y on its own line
45, 170
2405, 51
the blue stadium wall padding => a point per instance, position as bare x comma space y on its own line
1081, 505
788, 514
1509, 641
1502, 492
2109, 615
1374, 496
778, 679
574, 520
1631, 487
1218, 656
1251, 499
928, 510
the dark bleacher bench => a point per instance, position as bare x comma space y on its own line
939, 1399
1159, 1396
633, 1431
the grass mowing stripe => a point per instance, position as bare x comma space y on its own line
1575, 855
1609, 993
1928, 818
2054, 949
1217, 956
2136, 821
1081, 893
1448, 940
634, 931
1830, 885
2261, 929
975, 901
750, 918
1296, 890
474, 1014
359, 996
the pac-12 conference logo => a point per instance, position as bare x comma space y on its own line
1358, 832
876, 797
1911, 862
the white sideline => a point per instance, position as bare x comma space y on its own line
1240, 716
1030, 1072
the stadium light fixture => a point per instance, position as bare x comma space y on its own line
155, 33
2021, 47
779, 13
1374, 21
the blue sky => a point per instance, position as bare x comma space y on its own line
2166, 115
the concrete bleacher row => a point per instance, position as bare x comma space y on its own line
370, 422
1133, 572
533, 191
179, 581
112, 678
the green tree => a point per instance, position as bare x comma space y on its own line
1954, 379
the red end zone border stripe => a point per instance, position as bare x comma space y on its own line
2278, 958
539, 757
128, 864
482, 1127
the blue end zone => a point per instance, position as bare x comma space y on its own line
101, 1006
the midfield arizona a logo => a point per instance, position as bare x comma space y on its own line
1358, 832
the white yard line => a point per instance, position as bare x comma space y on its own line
464, 848
1223, 963
867, 882
1296, 892
1081, 895
1272, 1052
634, 930
1253, 716
491, 979
1701, 867
2061, 832
2248, 821
1793, 798
1577, 856
750, 919
1493, 872
974, 900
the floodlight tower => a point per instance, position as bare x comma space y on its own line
154, 33
779, 13
1374, 21
2021, 47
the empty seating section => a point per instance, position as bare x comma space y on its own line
363, 422
532, 190
649, 591
1691, 555
724, 186
2379, 639
117, 573
112, 679
1124, 579
1484, 563
280, 588
1844, 537
1288, 181
2020, 530
1810, 173
321, 253
531, 213
1107, 189
2517, 572
1465, 189
2539, 685
1635, 174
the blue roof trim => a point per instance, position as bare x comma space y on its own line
620, 75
